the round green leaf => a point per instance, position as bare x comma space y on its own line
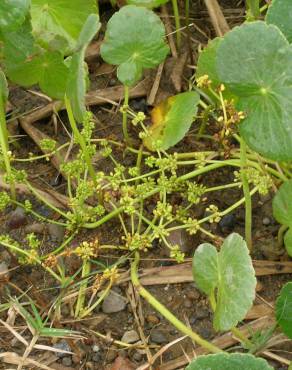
284, 309
60, 19
260, 73
280, 14
134, 40
48, 69
288, 242
230, 271
172, 120
77, 81
282, 204
13, 14
225, 361
147, 3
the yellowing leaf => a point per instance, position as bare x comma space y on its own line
171, 120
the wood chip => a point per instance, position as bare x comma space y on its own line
217, 18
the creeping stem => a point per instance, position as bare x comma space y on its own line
5, 149
165, 312
247, 196
125, 115
177, 22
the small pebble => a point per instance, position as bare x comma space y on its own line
152, 319
137, 356
112, 82
266, 221
63, 346
96, 357
227, 222
157, 336
130, 336
113, 303
56, 232
95, 348
4, 273
67, 361
17, 218
188, 303
36, 228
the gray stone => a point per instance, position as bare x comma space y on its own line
157, 336
4, 273
137, 356
67, 361
17, 218
56, 232
113, 303
36, 227
266, 221
130, 336
63, 345
95, 348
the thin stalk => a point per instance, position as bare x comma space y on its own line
253, 9
80, 139
88, 310
125, 115
82, 289
165, 312
239, 334
5, 148
247, 196
177, 22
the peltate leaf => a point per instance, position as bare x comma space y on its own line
48, 69
225, 361
255, 62
134, 39
13, 14
171, 120
77, 81
60, 20
150, 4
284, 309
280, 14
232, 275
282, 204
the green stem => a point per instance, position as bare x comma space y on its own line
239, 334
5, 148
187, 15
125, 115
247, 196
82, 289
177, 22
253, 9
88, 310
165, 312
80, 139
